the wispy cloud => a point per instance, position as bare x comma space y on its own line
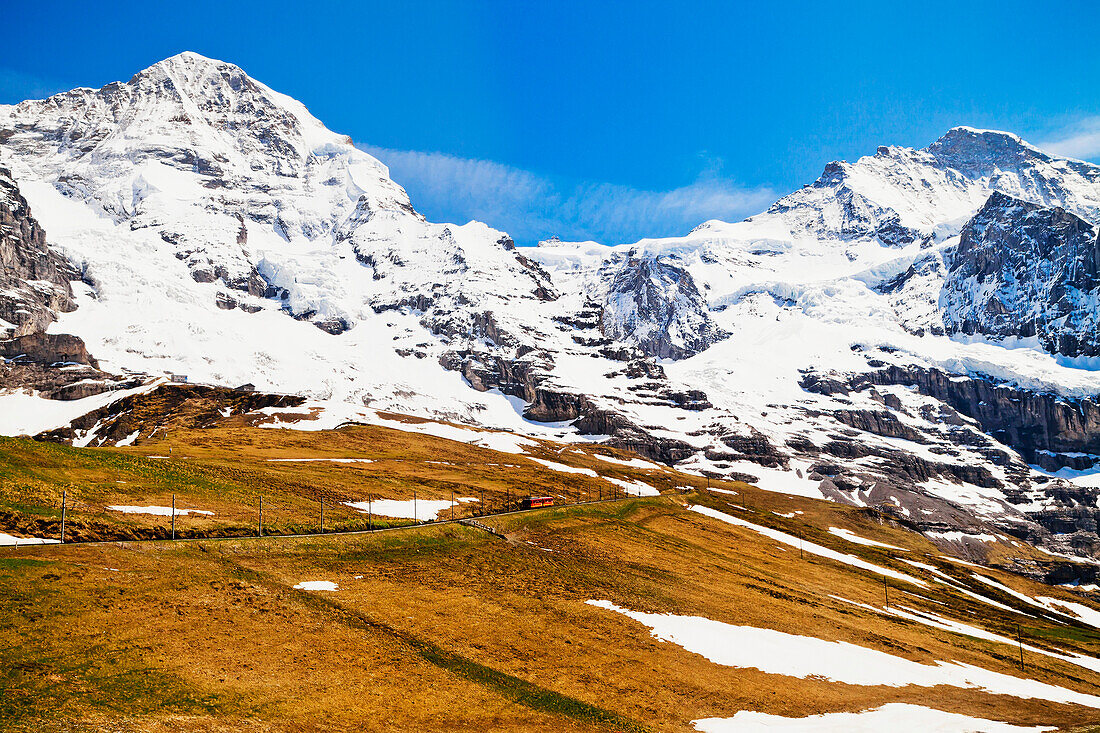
1079, 140
531, 207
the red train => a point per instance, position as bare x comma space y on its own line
531, 502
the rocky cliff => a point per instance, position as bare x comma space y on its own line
656, 306
1026, 271
34, 280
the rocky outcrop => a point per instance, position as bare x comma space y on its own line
656, 306
878, 422
1045, 429
71, 382
526, 376
34, 280
34, 288
1025, 271
1029, 422
47, 348
171, 406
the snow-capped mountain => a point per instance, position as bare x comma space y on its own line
226, 234
842, 343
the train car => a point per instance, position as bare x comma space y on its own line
532, 502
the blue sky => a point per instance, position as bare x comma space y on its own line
609, 121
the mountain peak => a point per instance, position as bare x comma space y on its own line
189, 60
960, 132
190, 70
978, 153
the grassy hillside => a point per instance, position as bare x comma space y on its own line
445, 626
228, 470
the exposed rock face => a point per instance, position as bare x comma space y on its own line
655, 305
1022, 270
1010, 165
34, 288
47, 348
1030, 422
34, 280
527, 376
1046, 429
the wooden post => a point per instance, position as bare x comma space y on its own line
173, 516
260, 520
886, 590
369, 527
800, 545
452, 505
1020, 638
322, 503
64, 508
416, 519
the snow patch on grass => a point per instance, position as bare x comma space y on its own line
555, 466
851, 536
892, 716
7, 540
158, 511
777, 652
417, 509
807, 546
634, 488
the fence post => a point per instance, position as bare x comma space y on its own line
886, 590
173, 516
416, 517
322, 503
452, 505
260, 521
368, 514
64, 508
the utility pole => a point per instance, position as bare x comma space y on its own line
64, 507
173, 516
